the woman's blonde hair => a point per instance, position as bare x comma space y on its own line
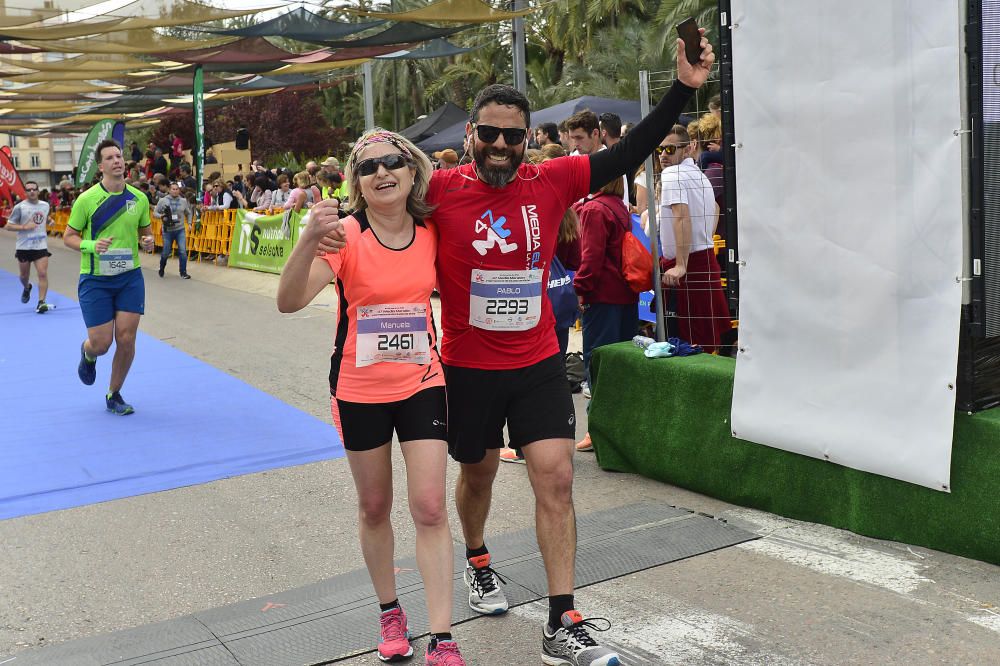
709, 128
694, 130
302, 179
416, 204
551, 150
569, 228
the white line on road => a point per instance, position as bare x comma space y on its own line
673, 633
825, 550
990, 620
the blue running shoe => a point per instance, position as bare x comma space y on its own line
87, 369
117, 405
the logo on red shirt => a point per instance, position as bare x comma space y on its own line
496, 234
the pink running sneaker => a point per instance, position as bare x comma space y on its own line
445, 653
394, 641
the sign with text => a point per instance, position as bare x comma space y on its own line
264, 242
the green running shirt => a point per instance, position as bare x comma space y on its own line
98, 213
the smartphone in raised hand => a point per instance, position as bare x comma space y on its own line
688, 31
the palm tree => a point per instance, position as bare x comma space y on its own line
672, 12
598, 47
460, 80
574, 47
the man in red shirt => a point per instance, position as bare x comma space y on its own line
498, 220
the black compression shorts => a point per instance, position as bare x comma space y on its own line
534, 402
364, 426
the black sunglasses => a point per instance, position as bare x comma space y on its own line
511, 135
31, 189
669, 149
390, 162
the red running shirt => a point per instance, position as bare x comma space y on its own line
510, 229
370, 274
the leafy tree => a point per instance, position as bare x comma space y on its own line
286, 122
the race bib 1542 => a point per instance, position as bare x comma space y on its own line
116, 261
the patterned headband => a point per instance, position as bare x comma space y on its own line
379, 137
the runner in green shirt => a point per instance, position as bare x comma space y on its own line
107, 224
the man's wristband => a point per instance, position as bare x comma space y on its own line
88, 246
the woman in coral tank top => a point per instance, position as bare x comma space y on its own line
385, 371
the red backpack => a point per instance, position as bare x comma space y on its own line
637, 263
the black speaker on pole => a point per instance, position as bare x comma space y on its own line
242, 139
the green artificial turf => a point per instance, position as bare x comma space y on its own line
668, 419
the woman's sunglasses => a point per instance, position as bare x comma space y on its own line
669, 149
511, 135
390, 162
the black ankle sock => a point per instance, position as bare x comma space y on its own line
559, 604
437, 638
475, 552
389, 606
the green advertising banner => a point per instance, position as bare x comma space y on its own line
199, 127
264, 242
86, 167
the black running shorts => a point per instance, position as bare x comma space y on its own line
27, 256
534, 402
364, 426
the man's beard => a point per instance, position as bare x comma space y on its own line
493, 175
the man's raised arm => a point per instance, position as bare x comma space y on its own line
639, 143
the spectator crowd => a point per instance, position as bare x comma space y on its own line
687, 199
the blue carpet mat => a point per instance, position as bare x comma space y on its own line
59, 448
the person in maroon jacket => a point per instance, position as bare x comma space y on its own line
609, 305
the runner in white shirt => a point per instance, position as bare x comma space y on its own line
29, 219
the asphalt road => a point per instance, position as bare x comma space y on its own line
802, 594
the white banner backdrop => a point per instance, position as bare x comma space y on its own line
850, 227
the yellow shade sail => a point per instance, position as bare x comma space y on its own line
188, 99
110, 77
137, 15
44, 107
246, 93
91, 63
24, 12
447, 11
132, 118
316, 68
58, 88
61, 30
127, 42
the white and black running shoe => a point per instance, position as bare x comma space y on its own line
572, 645
485, 595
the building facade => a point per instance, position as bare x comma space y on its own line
45, 160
